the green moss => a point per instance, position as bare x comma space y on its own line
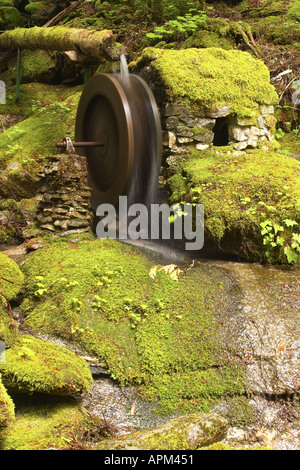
293, 11
34, 365
186, 432
43, 426
202, 78
240, 413
11, 280
8, 235
48, 111
35, 7
10, 18
35, 64
156, 332
241, 192
7, 409
218, 446
207, 39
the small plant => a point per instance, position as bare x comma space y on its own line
76, 304
25, 353
39, 286
99, 303
281, 235
178, 29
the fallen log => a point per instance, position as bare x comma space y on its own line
58, 38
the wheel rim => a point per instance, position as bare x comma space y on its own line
123, 114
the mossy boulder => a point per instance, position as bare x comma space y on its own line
45, 425
7, 408
38, 66
11, 280
17, 183
14, 217
189, 432
10, 17
154, 332
35, 365
203, 79
251, 201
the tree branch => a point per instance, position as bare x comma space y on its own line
58, 38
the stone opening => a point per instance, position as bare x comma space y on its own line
220, 130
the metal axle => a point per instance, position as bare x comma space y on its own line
68, 145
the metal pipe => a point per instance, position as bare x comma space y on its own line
81, 144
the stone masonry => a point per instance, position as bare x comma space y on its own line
64, 196
183, 128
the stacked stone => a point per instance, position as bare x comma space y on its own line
183, 128
64, 196
249, 133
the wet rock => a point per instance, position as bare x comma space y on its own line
34, 365
16, 183
219, 111
262, 328
34, 244
188, 432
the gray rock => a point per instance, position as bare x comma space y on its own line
172, 122
189, 432
219, 111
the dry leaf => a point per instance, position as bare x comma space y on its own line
152, 272
133, 407
170, 269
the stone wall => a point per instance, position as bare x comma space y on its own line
183, 128
64, 196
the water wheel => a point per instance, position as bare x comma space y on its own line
118, 130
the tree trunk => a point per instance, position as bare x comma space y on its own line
58, 38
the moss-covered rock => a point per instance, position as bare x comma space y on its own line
10, 17
189, 432
251, 201
11, 280
157, 332
45, 425
17, 183
35, 7
7, 408
47, 111
34, 365
208, 78
37, 66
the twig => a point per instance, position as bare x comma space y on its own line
7, 280
62, 14
288, 85
245, 37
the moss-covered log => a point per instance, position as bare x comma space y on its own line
58, 38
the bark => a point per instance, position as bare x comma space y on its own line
58, 38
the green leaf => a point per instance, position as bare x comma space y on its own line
292, 257
290, 223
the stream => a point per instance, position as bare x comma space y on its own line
262, 323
